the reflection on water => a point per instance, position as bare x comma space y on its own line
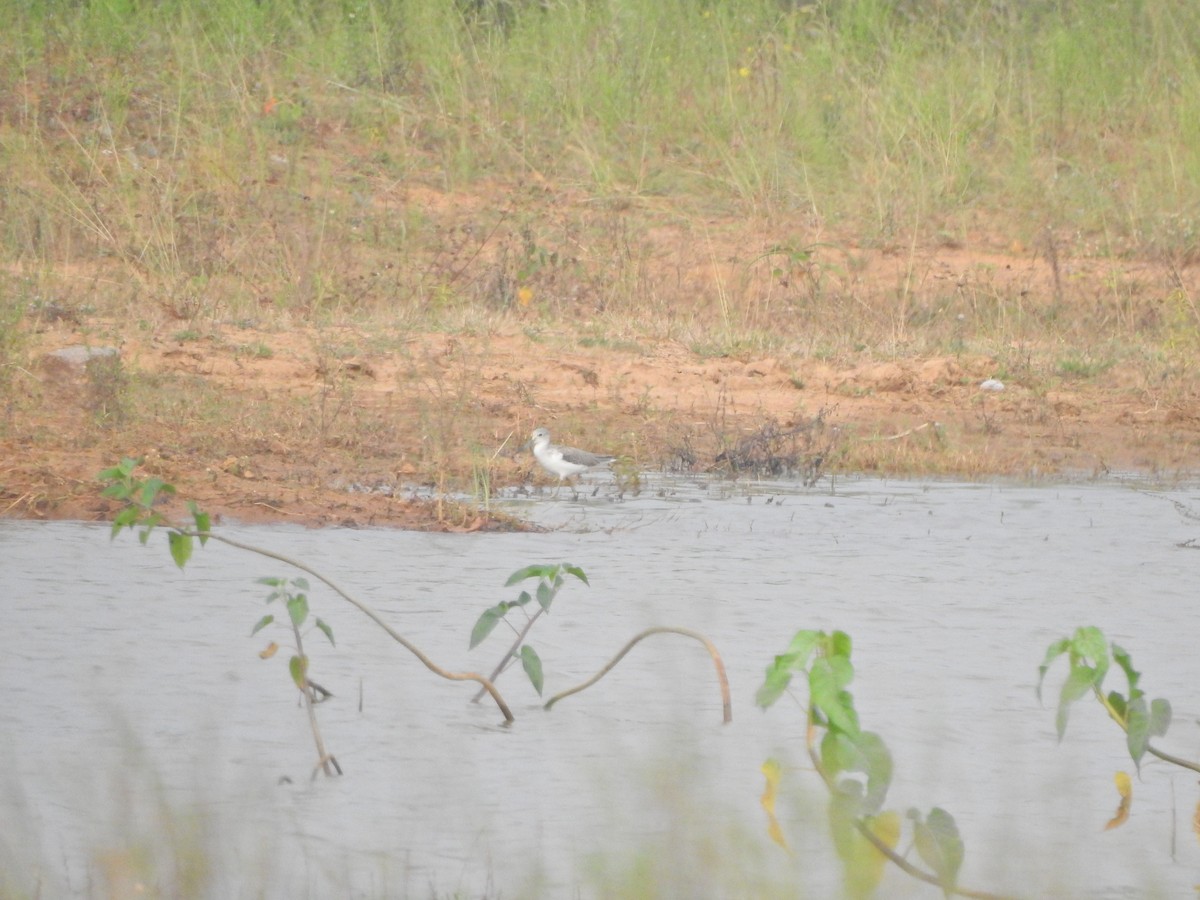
131, 687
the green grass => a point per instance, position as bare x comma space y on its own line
247, 158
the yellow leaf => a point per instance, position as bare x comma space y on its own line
772, 772
524, 296
268, 651
1125, 789
887, 827
1196, 822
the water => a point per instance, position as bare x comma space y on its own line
137, 713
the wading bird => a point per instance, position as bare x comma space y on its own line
565, 462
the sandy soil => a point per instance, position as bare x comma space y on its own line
363, 426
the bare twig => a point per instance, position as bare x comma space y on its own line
727, 706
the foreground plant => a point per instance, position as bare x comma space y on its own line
139, 497
293, 594
1090, 657
856, 767
550, 580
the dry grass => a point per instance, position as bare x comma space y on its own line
325, 237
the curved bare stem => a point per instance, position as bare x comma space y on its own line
369, 613
727, 706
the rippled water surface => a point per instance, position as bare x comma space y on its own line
137, 711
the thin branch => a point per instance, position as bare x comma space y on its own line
369, 613
712, 651
1167, 757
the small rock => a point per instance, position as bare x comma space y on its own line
73, 360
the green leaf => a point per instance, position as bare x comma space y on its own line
1090, 645
121, 471
298, 667
300, 583
181, 547
779, 676
842, 669
533, 667
1160, 717
118, 490
839, 645
271, 582
261, 624
939, 845
1126, 663
862, 864
151, 488
1137, 728
577, 572
825, 680
324, 626
297, 607
202, 521
877, 764
1081, 680
1089, 641
485, 624
521, 600
1053, 652
537, 571
837, 754
803, 643
126, 518
1117, 701
545, 596
865, 754
113, 474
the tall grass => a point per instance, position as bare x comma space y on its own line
223, 158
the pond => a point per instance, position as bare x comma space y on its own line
138, 713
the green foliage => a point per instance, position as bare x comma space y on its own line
1090, 657
12, 345
532, 664
938, 844
550, 579
139, 496
923, 116
856, 765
